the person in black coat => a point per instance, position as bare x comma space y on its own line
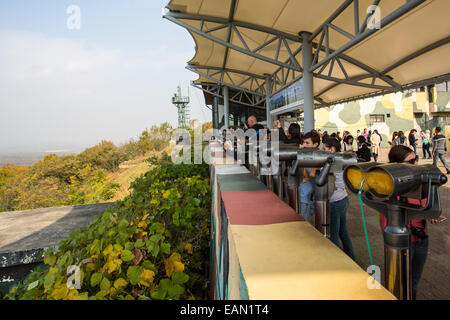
363, 152
293, 137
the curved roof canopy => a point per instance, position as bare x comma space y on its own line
361, 48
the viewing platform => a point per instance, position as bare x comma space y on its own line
264, 250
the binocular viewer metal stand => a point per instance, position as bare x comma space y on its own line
385, 188
330, 163
387, 191
295, 158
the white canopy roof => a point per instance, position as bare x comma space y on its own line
239, 43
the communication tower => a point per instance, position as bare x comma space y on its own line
183, 109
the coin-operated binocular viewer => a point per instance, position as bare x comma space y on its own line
273, 168
330, 163
389, 189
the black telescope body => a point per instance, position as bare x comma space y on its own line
394, 183
329, 162
389, 189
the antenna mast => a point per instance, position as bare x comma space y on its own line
181, 103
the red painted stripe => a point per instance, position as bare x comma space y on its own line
257, 208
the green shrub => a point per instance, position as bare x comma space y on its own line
152, 245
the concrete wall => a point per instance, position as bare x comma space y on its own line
402, 111
24, 235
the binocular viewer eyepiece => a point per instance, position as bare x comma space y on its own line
393, 179
311, 157
391, 187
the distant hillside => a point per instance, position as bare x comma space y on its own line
25, 159
100, 173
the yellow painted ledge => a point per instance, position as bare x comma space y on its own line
293, 261
217, 161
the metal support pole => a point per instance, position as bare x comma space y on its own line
268, 92
322, 206
215, 113
226, 104
308, 89
280, 180
297, 199
397, 242
270, 183
258, 168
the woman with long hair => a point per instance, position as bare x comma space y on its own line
400, 140
347, 143
418, 228
394, 135
338, 206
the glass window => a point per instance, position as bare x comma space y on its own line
376, 118
443, 86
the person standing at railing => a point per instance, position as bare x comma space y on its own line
310, 140
293, 137
252, 123
347, 143
339, 202
418, 228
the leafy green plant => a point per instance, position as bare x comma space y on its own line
152, 245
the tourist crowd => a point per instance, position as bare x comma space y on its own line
366, 146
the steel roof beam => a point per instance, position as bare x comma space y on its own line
352, 82
230, 18
407, 7
215, 89
418, 53
361, 65
176, 17
281, 75
382, 75
226, 73
228, 70
223, 83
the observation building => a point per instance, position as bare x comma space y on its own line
330, 65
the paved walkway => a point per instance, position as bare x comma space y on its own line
40, 228
435, 282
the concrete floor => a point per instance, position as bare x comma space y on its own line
434, 283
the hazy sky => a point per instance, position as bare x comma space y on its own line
64, 88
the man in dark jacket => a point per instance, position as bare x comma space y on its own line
412, 139
253, 124
439, 148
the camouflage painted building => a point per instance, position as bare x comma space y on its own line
420, 109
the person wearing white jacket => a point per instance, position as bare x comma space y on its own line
375, 141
